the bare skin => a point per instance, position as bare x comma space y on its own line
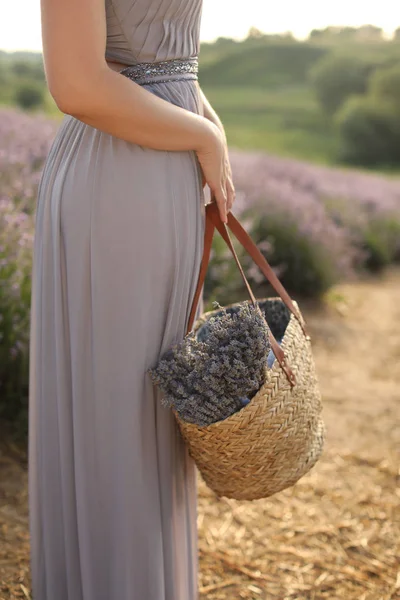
86, 86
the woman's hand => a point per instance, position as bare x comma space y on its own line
230, 189
216, 171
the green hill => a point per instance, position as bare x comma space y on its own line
260, 86
261, 90
265, 65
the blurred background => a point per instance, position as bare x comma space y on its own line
309, 94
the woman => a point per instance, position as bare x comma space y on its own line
118, 245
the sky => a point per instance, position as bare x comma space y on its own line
20, 19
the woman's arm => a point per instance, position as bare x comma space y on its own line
213, 117
83, 85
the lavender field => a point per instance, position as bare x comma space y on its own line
316, 225
336, 534
24, 143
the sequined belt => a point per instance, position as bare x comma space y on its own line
159, 72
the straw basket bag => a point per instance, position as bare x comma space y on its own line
270, 443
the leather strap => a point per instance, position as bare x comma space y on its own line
277, 350
213, 220
243, 237
208, 238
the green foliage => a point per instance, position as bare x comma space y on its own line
284, 121
385, 84
15, 271
374, 230
381, 241
22, 79
304, 267
29, 94
335, 78
262, 64
21, 68
223, 276
261, 89
5, 82
333, 33
4, 73
340, 34
370, 132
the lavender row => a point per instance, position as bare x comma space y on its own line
315, 224
350, 218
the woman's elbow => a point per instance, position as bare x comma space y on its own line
70, 104
64, 104
72, 98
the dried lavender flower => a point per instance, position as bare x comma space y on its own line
205, 376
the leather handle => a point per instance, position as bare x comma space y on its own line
213, 220
243, 237
208, 238
277, 350
245, 240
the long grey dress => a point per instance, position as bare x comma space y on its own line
118, 246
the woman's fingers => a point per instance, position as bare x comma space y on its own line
229, 187
230, 194
221, 200
219, 180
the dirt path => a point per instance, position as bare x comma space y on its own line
358, 360
336, 534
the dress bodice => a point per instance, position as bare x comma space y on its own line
152, 30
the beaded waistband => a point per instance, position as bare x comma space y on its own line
167, 70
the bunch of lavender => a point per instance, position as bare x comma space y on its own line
204, 381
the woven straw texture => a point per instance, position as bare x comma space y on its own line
272, 442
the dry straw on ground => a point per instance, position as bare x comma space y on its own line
336, 534
332, 536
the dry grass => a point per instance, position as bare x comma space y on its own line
331, 536
336, 534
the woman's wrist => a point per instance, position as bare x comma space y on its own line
216, 121
210, 114
209, 135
